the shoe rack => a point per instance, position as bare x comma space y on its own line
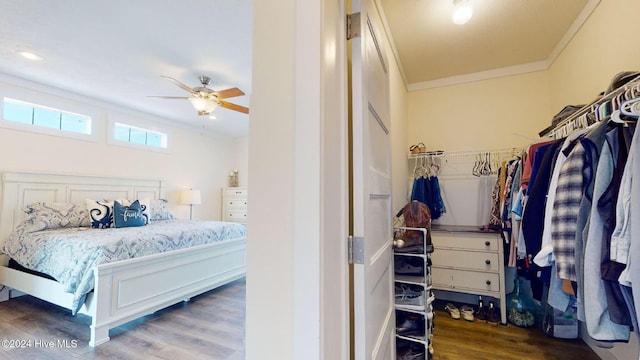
413, 296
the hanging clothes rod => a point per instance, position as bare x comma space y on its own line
462, 153
594, 105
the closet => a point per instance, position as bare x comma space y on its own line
586, 205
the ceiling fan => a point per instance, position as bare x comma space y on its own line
205, 99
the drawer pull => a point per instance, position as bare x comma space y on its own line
488, 282
488, 262
487, 243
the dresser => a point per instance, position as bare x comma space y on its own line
234, 204
469, 260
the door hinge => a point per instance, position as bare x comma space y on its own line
355, 249
353, 26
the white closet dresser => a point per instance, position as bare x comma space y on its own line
469, 260
234, 204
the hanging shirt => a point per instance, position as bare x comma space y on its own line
597, 303
533, 215
528, 162
544, 256
566, 206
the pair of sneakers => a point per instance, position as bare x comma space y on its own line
489, 315
411, 297
465, 312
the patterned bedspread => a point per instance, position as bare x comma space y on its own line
69, 254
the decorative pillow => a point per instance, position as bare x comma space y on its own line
100, 213
128, 216
145, 204
51, 215
160, 210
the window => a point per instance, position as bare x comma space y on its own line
45, 117
137, 135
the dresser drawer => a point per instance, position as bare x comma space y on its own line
235, 192
474, 260
232, 203
461, 280
232, 215
453, 240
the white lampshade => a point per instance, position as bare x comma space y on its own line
203, 105
190, 197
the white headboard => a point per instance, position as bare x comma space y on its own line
20, 188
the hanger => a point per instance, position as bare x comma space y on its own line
417, 170
486, 169
615, 117
631, 108
435, 165
476, 166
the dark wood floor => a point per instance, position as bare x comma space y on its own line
464, 340
210, 326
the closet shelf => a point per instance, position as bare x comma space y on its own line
632, 86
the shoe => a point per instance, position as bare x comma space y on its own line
412, 325
409, 297
414, 249
403, 267
452, 310
492, 313
466, 312
481, 314
409, 351
415, 353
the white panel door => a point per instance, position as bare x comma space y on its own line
374, 316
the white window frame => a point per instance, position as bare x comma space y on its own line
139, 124
43, 101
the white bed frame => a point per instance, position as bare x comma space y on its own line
124, 290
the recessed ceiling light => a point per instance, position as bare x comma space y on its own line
462, 11
31, 56
212, 117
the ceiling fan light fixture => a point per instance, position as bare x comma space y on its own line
203, 105
462, 11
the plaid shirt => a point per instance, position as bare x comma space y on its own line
566, 206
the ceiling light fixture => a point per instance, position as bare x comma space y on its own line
31, 56
203, 105
462, 11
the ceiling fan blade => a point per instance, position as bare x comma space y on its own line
232, 106
169, 97
227, 93
181, 85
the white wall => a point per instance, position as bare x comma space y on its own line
195, 160
270, 242
483, 115
241, 161
606, 44
296, 245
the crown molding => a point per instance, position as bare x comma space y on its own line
515, 69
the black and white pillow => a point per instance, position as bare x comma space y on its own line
100, 213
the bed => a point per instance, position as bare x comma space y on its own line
114, 289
